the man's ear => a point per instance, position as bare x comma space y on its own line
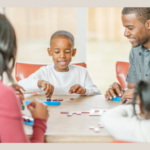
148, 24
74, 52
49, 51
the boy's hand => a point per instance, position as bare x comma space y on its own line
47, 87
114, 90
38, 109
128, 94
78, 89
18, 90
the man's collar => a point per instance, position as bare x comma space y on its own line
144, 48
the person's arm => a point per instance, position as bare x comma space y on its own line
87, 89
121, 124
11, 123
131, 80
131, 76
39, 129
90, 87
131, 85
30, 84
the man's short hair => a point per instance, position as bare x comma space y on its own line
63, 34
142, 13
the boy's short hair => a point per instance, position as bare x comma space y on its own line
63, 34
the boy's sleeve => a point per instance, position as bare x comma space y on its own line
30, 84
131, 76
91, 89
121, 123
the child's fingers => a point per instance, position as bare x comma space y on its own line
76, 87
47, 89
31, 109
22, 88
71, 90
21, 94
33, 103
44, 87
52, 90
79, 91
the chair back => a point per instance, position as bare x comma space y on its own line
24, 70
121, 72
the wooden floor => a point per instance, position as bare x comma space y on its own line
74, 129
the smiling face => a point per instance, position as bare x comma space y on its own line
62, 51
135, 30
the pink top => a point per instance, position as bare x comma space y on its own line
11, 123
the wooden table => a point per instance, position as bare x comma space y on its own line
74, 129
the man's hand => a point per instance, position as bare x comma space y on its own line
18, 90
78, 89
128, 95
47, 87
114, 90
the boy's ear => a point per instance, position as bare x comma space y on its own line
74, 52
49, 51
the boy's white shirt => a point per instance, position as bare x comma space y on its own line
122, 124
62, 81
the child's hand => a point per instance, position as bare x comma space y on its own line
38, 109
18, 89
78, 89
47, 87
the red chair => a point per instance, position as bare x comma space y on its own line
24, 70
121, 72
118, 141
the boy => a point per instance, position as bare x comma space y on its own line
61, 77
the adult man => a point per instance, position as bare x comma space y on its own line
137, 29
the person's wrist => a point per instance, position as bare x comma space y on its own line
123, 91
40, 82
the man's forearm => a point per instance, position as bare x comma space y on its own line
130, 85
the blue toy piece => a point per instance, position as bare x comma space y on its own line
30, 123
48, 103
118, 99
28, 120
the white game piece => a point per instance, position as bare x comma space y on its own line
101, 126
91, 127
99, 123
96, 129
79, 112
70, 113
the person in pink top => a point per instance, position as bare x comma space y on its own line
11, 123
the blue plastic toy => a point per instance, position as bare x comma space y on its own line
48, 103
118, 99
28, 121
